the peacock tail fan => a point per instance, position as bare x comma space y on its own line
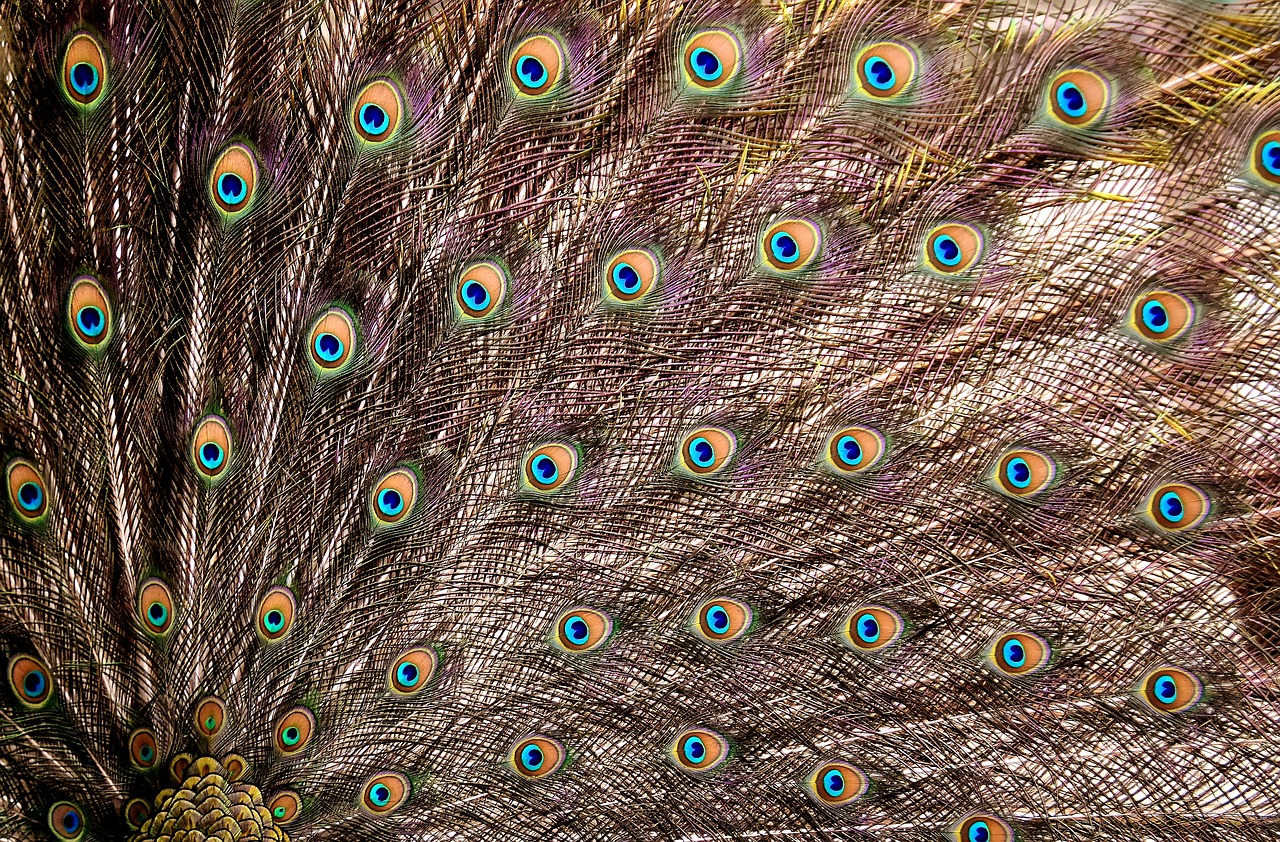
639, 419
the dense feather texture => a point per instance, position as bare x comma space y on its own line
450, 568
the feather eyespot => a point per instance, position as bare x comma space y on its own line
790, 245
384, 792
211, 448
294, 731
211, 716
1078, 97
707, 451
284, 806
982, 827
582, 629
630, 276
1178, 506
854, 449
699, 750
67, 821
89, 313
1171, 689
712, 59
412, 671
537, 757
235, 765
143, 752
84, 70
331, 343
30, 681
1161, 315
837, 784
234, 180
27, 492
722, 619
276, 612
885, 70
536, 66
872, 628
393, 497
136, 813
1019, 653
953, 248
481, 288
178, 766
375, 116
550, 467
155, 607
1264, 159
1024, 473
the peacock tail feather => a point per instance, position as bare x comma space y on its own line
631, 419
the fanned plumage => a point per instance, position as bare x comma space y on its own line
634, 419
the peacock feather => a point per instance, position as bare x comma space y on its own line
633, 419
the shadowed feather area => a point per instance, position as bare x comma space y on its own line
450, 419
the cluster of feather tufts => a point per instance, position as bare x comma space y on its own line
633, 419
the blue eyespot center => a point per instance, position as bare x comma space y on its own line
390, 503
328, 347
833, 783
849, 450
626, 278
879, 73
291, 735
71, 821
274, 620
91, 321
946, 250
211, 455
694, 750
146, 753
702, 453
868, 628
1166, 689
1013, 653
1171, 506
577, 630
718, 619
475, 296
784, 247
1071, 99
706, 66
1018, 472
84, 78
545, 469
380, 795
373, 119
33, 684
30, 496
157, 613
531, 72
531, 758
1271, 157
979, 832
279, 812
231, 188
1155, 317
407, 675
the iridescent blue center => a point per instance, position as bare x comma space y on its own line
701, 453
868, 628
833, 783
30, 496
380, 795
577, 630
390, 502
718, 619
1154, 317
474, 296
1071, 101
531, 758
407, 675
879, 73
328, 347
946, 250
373, 119
211, 455
545, 470
1271, 157
1013, 653
1166, 689
626, 278
979, 832
291, 735
84, 78
1018, 472
71, 821
1171, 506
157, 614
232, 189
784, 247
91, 321
33, 684
694, 750
146, 753
849, 451
532, 73
705, 65
274, 620
279, 812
